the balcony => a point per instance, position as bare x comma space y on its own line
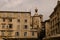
1, 36
34, 29
10, 30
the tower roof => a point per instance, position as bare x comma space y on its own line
36, 10
36, 14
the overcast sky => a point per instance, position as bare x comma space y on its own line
45, 7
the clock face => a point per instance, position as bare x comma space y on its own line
36, 22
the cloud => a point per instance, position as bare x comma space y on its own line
45, 7
12, 3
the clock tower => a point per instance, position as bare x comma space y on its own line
36, 22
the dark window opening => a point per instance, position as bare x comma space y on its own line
25, 20
10, 25
25, 33
40, 17
3, 19
25, 26
18, 20
3, 25
37, 26
32, 33
17, 33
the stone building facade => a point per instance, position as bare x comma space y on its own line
19, 25
47, 27
55, 24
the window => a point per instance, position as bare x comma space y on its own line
9, 33
32, 33
2, 33
18, 20
17, 33
25, 27
37, 26
3, 25
25, 33
10, 25
40, 17
25, 20
10, 19
3, 19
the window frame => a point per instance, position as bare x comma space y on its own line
25, 26
25, 33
